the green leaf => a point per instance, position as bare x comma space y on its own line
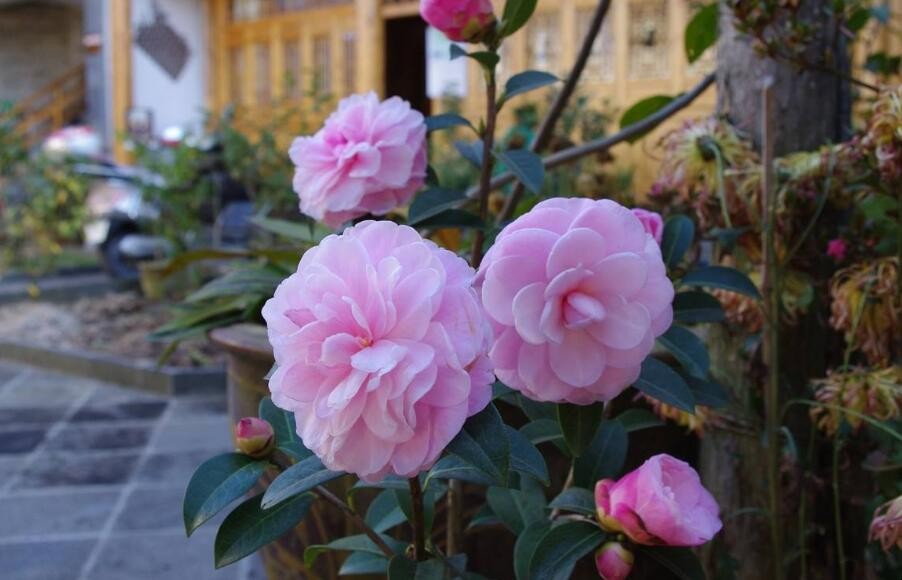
363, 563
484, 517
562, 547
453, 467
722, 277
452, 218
299, 478
283, 426
252, 279
604, 457
708, 393
526, 546
216, 483
697, 306
527, 81
578, 424
310, 232
659, 381
515, 508
642, 109
638, 419
403, 568
430, 496
384, 512
249, 527
483, 444
542, 430
701, 32
525, 458
526, 166
516, 14
688, 349
679, 231
680, 561
446, 121
471, 151
883, 64
857, 19
488, 60
432, 202
358, 543
575, 499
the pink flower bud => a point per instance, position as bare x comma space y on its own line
254, 437
651, 221
836, 249
613, 561
459, 20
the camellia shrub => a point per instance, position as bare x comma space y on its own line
500, 378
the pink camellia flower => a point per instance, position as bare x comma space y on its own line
459, 20
651, 221
254, 437
576, 291
836, 249
369, 157
661, 503
613, 561
380, 346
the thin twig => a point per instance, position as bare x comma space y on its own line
546, 129
351, 513
571, 154
485, 177
455, 523
418, 522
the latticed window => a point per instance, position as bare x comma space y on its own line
243, 10
236, 73
322, 64
292, 79
262, 84
601, 61
349, 48
543, 43
649, 50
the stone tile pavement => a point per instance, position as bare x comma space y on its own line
92, 477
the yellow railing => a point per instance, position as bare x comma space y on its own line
52, 106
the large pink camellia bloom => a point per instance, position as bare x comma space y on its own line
459, 20
662, 502
577, 292
369, 157
380, 347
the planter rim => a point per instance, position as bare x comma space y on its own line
246, 338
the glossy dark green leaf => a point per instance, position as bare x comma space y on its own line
542, 430
701, 32
217, 483
604, 456
446, 121
679, 231
526, 166
453, 467
527, 81
516, 14
708, 393
642, 109
403, 568
688, 348
562, 547
721, 277
525, 458
299, 478
471, 151
526, 546
638, 419
857, 19
384, 512
432, 202
659, 381
696, 306
452, 218
250, 527
483, 443
360, 563
488, 60
682, 562
575, 499
578, 424
515, 508
283, 425
358, 543
430, 496
882, 63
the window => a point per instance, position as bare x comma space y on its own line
322, 65
263, 89
236, 74
600, 66
649, 54
544, 38
292, 77
349, 47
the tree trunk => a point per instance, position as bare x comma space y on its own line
811, 109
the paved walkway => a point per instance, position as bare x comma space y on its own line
92, 477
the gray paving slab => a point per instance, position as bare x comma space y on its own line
197, 407
54, 560
211, 433
61, 468
106, 435
22, 439
63, 512
45, 389
171, 468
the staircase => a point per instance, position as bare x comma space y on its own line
51, 107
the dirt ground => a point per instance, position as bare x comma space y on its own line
115, 323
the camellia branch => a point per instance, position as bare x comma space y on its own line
485, 176
572, 154
351, 513
417, 520
546, 129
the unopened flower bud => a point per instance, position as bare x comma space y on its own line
254, 437
613, 561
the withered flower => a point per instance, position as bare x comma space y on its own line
849, 395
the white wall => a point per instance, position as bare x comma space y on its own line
177, 102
